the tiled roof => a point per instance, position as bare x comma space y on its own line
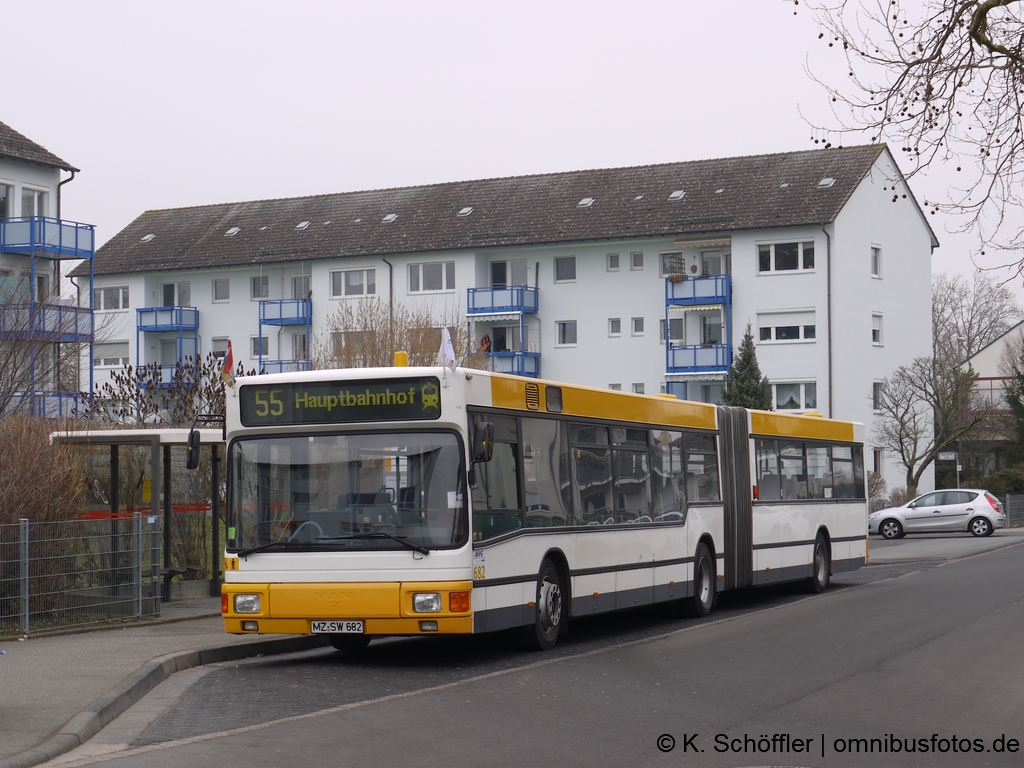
717, 195
14, 145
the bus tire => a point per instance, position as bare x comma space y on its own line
703, 598
349, 644
548, 610
820, 563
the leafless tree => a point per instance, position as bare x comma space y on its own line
942, 80
968, 314
925, 407
367, 333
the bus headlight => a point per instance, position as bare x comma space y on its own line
426, 602
247, 603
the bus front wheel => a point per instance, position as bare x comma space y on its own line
703, 598
820, 567
547, 610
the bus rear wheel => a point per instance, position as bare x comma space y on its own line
547, 610
703, 598
350, 644
820, 576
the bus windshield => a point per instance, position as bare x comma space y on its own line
401, 490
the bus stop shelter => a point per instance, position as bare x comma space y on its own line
159, 442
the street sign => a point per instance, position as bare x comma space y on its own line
947, 455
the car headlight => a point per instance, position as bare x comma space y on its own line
426, 602
247, 603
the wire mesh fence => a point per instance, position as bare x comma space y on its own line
1015, 511
72, 573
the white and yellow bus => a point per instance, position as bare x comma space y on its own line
409, 501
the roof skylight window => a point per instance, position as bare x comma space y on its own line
719, 191
389, 218
677, 195
262, 228
827, 182
148, 237
302, 225
328, 222
232, 232
586, 202
466, 211
639, 197
783, 185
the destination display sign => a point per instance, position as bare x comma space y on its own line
340, 402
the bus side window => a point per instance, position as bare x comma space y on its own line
495, 489
669, 478
545, 473
768, 486
701, 468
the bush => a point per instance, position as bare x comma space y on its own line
1005, 481
38, 481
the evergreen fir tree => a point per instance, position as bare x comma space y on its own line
746, 386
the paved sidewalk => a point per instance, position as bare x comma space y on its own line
58, 691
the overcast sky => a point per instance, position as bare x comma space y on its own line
187, 103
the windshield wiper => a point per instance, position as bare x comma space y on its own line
272, 545
379, 535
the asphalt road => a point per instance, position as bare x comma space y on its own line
897, 653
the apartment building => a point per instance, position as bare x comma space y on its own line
43, 332
641, 279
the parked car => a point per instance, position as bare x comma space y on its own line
962, 509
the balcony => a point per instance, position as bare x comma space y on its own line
284, 366
700, 358
517, 363
57, 323
708, 289
160, 319
50, 405
286, 312
40, 235
486, 301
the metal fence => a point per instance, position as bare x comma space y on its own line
1015, 511
72, 573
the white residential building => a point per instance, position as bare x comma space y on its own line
571, 276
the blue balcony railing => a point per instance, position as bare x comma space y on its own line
284, 366
516, 298
701, 358
286, 311
707, 289
518, 363
50, 405
167, 319
47, 322
38, 234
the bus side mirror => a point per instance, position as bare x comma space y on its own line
483, 441
192, 450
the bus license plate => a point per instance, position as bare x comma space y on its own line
336, 627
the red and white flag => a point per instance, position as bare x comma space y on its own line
229, 364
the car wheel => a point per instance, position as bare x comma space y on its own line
820, 576
891, 529
548, 615
980, 526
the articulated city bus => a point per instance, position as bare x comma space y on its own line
410, 501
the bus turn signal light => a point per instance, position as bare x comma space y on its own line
224, 603
458, 602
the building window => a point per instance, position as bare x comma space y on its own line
615, 387
614, 326
299, 346
786, 326
176, 294
261, 287
33, 203
876, 330
876, 455
356, 282
637, 326
222, 290
613, 262
260, 345
220, 348
785, 257
566, 332
638, 388
504, 338
636, 261
876, 396
876, 261
110, 298
794, 396
673, 264
110, 355
504, 271
565, 269
675, 330
437, 276
301, 287
6, 202
354, 348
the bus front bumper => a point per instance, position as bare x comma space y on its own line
384, 608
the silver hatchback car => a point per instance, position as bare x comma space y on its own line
960, 509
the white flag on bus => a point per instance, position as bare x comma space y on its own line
446, 355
